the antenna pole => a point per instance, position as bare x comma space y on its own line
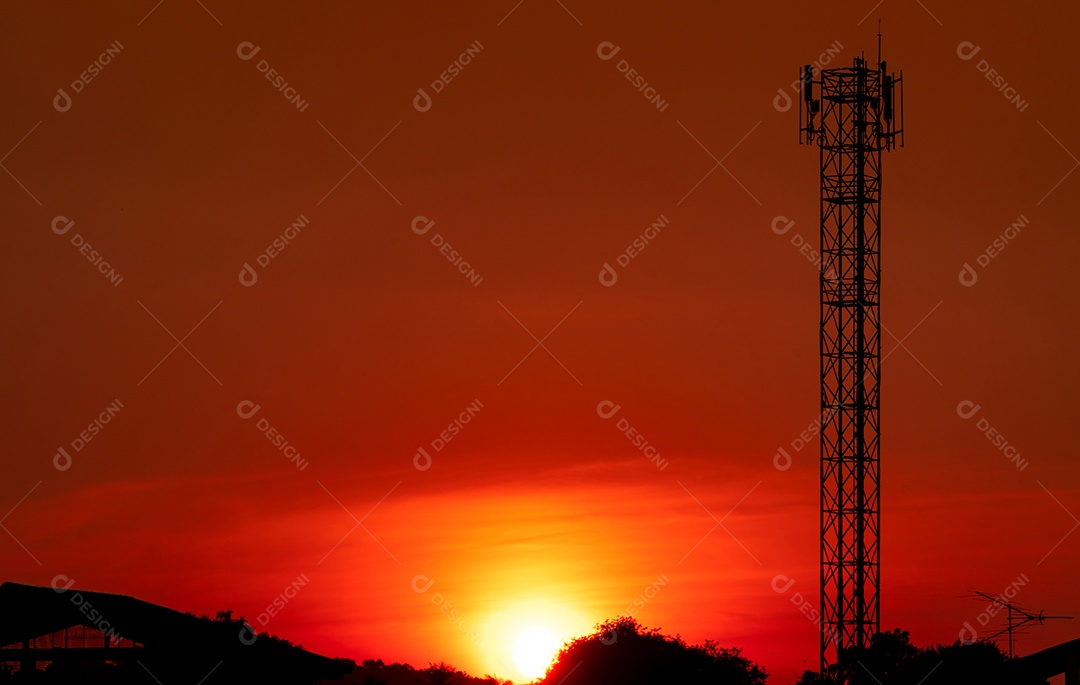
879, 41
1010, 631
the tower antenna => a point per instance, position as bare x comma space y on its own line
851, 123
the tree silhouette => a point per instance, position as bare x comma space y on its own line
441, 673
891, 659
625, 652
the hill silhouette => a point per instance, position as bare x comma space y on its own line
81, 636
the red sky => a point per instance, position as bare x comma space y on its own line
539, 162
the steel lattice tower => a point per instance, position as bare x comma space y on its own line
852, 123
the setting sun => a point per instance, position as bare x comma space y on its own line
534, 649
524, 636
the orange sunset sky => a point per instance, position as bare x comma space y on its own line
179, 162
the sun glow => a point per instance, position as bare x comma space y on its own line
534, 649
525, 636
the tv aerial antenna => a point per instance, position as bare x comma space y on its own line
1017, 618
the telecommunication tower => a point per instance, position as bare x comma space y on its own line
858, 115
